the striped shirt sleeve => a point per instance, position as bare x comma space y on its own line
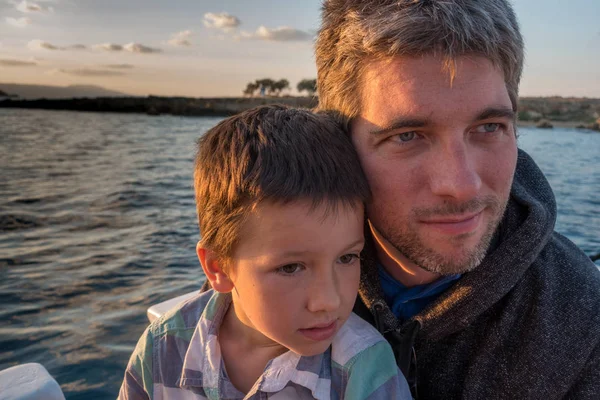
138, 382
373, 374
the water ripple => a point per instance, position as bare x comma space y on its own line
97, 223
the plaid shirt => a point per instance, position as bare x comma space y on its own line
178, 357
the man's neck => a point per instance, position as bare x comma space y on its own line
397, 265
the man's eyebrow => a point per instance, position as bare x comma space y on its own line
401, 123
496, 112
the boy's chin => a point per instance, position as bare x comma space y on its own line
312, 350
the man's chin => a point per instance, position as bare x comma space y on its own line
447, 258
445, 265
441, 254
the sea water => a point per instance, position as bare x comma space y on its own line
98, 222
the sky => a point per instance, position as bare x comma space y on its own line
204, 48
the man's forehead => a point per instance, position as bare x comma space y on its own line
422, 85
419, 73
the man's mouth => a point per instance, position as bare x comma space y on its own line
454, 224
320, 332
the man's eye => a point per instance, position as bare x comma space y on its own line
289, 269
488, 128
348, 258
405, 137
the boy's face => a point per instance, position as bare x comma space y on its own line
296, 271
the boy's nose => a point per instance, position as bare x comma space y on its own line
323, 294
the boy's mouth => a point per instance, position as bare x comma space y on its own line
321, 331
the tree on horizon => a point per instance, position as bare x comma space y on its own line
307, 85
281, 85
266, 85
251, 88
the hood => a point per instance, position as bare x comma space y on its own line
525, 229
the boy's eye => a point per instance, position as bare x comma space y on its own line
348, 258
289, 269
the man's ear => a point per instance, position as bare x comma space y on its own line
213, 269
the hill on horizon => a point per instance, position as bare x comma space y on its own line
30, 92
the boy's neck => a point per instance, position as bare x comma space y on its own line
245, 351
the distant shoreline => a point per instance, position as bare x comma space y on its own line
541, 112
556, 124
154, 105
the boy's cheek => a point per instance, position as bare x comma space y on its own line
275, 294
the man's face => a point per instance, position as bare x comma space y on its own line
296, 271
439, 156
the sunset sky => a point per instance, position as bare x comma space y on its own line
213, 48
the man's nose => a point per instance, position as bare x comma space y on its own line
453, 171
323, 294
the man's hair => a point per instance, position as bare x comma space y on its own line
271, 153
354, 32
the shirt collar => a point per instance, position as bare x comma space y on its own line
203, 366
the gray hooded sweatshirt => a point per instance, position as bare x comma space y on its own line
525, 324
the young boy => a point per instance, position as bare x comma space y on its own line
279, 195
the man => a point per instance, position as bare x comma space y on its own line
465, 276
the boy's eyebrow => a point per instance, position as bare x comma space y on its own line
357, 242
295, 253
402, 123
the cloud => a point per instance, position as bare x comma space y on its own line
29, 7
119, 66
86, 72
19, 22
280, 34
223, 21
16, 63
140, 48
41, 45
181, 38
109, 47
130, 47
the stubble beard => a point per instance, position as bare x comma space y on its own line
408, 242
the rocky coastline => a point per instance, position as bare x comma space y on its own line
541, 112
155, 105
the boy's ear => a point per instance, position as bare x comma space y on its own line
213, 269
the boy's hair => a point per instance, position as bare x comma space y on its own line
354, 32
271, 153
